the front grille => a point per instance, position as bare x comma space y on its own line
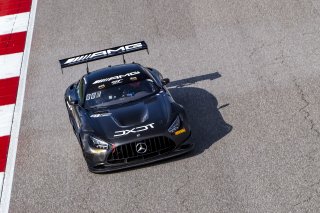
128, 153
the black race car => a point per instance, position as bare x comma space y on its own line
123, 115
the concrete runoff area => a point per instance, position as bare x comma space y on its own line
247, 73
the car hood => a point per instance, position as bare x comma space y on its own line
141, 118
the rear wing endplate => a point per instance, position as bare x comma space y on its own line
106, 53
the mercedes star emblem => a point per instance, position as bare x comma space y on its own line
141, 148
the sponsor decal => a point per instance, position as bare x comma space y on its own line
116, 82
103, 53
100, 115
134, 130
93, 95
101, 86
116, 77
180, 131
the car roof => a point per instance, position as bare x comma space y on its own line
111, 71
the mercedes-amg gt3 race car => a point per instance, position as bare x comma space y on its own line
123, 115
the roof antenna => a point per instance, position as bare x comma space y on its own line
87, 68
124, 60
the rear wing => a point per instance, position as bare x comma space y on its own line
106, 53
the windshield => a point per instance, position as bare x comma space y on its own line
120, 94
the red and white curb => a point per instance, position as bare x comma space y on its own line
16, 28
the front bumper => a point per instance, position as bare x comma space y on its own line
102, 166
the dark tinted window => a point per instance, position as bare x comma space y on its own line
80, 90
103, 96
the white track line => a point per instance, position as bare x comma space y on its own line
6, 114
14, 23
10, 65
1, 180
11, 159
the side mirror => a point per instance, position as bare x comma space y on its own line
73, 99
165, 81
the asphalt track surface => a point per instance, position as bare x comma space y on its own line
247, 73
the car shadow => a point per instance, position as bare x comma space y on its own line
206, 121
193, 80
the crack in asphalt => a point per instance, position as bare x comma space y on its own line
276, 60
264, 44
315, 192
282, 57
254, 50
314, 184
306, 113
311, 122
304, 201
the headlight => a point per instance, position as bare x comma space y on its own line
100, 144
175, 125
